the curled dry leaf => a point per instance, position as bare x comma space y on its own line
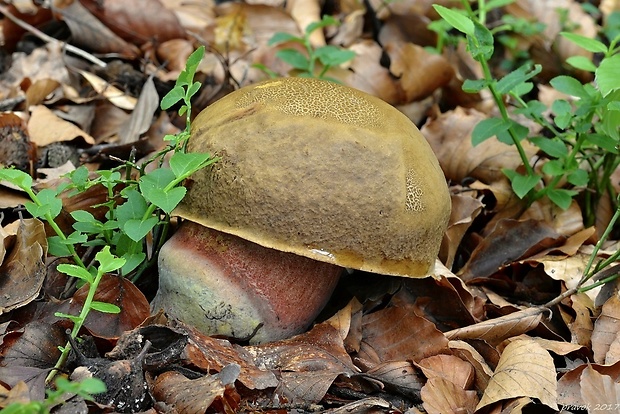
525, 369
449, 367
440, 396
496, 330
570, 386
309, 362
194, 396
599, 391
400, 376
465, 209
110, 92
420, 73
306, 12
606, 334
89, 32
466, 352
23, 271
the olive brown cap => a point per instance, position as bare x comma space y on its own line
321, 170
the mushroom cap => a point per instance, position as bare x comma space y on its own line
321, 170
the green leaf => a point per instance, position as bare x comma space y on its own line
56, 247
517, 77
487, 128
137, 229
333, 56
281, 37
569, 86
589, 44
76, 271
167, 200
327, 20
107, 261
294, 58
456, 19
519, 131
561, 197
50, 204
481, 43
104, 307
603, 141
194, 59
608, 75
521, 184
553, 147
563, 113
175, 95
134, 208
132, 260
553, 168
474, 85
578, 178
582, 63
16, 177
185, 164
494, 4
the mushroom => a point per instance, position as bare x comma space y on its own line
313, 177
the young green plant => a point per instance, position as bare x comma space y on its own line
136, 208
315, 62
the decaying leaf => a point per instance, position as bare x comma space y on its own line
441, 396
22, 271
524, 369
606, 333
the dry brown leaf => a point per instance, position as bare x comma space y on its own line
420, 72
142, 115
193, 16
212, 354
193, 396
580, 325
565, 221
569, 386
22, 271
525, 369
367, 74
440, 396
398, 333
468, 353
46, 128
606, 333
89, 32
110, 92
139, 21
599, 392
465, 209
496, 330
230, 31
305, 12
450, 137
400, 375
309, 362
450, 368
508, 242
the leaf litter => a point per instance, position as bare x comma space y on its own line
482, 335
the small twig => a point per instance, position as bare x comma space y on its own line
49, 39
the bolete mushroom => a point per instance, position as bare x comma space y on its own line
313, 177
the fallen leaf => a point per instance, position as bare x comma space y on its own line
496, 330
398, 333
440, 396
399, 376
465, 209
449, 367
110, 92
142, 115
468, 353
599, 392
606, 333
570, 386
46, 128
22, 271
525, 369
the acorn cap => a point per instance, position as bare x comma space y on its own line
321, 170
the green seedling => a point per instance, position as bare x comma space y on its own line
139, 203
315, 62
580, 142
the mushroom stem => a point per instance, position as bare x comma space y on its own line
225, 285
